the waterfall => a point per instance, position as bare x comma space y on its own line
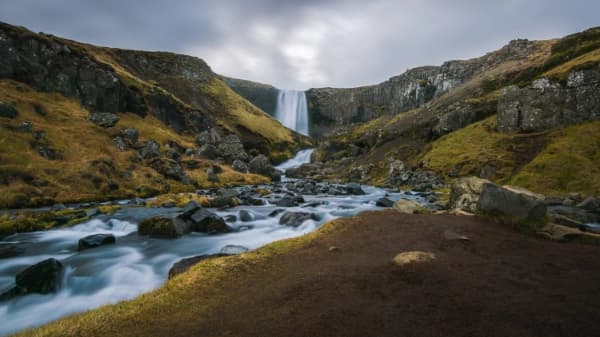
292, 110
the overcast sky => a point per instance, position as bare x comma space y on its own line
310, 43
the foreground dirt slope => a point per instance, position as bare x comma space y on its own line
499, 283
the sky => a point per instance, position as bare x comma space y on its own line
300, 44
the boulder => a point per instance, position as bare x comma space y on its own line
183, 265
95, 240
287, 201
464, 193
296, 219
211, 137
511, 206
189, 209
130, 136
169, 168
163, 227
354, 189
207, 222
104, 119
590, 204
120, 143
246, 216
212, 174
231, 148
384, 202
408, 206
8, 110
239, 166
208, 151
41, 278
230, 218
261, 165
150, 149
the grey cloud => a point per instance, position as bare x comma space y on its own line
306, 43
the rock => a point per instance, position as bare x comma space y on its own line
276, 212
464, 193
511, 206
208, 151
8, 250
95, 240
42, 278
230, 218
239, 166
104, 119
212, 175
354, 189
26, 127
48, 152
120, 143
207, 222
211, 137
130, 136
304, 170
169, 169
296, 219
233, 250
246, 216
287, 201
183, 265
163, 227
590, 204
189, 209
408, 206
333, 249
150, 149
231, 148
566, 221
384, 202
262, 165
414, 257
8, 110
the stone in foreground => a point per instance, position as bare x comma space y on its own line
511, 205
415, 257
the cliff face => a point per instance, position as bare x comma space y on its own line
262, 95
408, 91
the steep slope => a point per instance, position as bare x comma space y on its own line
262, 95
518, 107
81, 122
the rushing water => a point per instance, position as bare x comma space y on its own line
138, 264
292, 110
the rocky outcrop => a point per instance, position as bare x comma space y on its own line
548, 103
262, 95
509, 205
410, 90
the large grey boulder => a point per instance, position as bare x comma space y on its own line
511, 205
95, 240
150, 149
231, 148
207, 222
41, 278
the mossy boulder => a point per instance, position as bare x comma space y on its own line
511, 206
163, 227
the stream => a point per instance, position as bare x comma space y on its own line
138, 264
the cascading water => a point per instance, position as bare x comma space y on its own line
292, 110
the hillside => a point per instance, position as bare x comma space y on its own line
82, 122
526, 114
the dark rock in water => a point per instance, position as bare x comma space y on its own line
511, 204
163, 227
10, 250
296, 219
104, 119
207, 222
233, 250
150, 149
8, 110
96, 240
590, 204
230, 218
246, 216
189, 209
287, 201
239, 166
183, 265
314, 204
354, 189
276, 212
384, 202
42, 278
208, 151
226, 198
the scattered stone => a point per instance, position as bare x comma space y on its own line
296, 219
239, 166
95, 240
333, 249
384, 202
163, 227
414, 257
211, 137
170, 169
464, 193
233, 250
590, 204
354, 189
104, 119
130, 136
189, 209
287, 201
120, 143
26, 127
8, 110
150, 149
